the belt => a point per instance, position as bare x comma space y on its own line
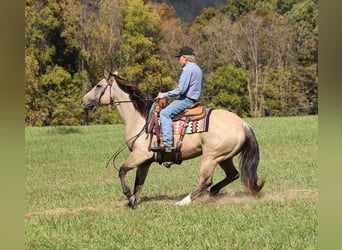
192, 99
183, 97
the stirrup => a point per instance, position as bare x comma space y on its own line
155, 149
169, 149
166, 148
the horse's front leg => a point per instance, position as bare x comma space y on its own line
135, 160
140, 178
124, 185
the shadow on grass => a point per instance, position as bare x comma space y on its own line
159, 198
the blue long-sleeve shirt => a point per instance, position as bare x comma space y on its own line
189, 84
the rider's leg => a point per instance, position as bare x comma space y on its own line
166, 115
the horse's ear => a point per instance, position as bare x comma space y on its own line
105, 73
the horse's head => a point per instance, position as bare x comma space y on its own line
114, 90
101, 94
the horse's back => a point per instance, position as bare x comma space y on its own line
224, 120
225, 134
224, 137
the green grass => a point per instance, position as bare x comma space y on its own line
74, 202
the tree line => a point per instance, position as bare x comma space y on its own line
259, 58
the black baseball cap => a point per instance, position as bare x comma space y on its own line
185, 51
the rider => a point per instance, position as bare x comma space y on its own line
188, 91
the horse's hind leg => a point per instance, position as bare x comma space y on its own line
231, 175
206, 177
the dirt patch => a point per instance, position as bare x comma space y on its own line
229, 197
58, 211
232, 197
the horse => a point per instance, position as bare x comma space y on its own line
228, 135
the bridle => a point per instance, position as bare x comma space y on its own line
109, 82
94, 106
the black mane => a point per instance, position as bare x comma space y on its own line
139, 100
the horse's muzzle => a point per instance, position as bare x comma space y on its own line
88, 106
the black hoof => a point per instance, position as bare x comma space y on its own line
213, 193
132, 201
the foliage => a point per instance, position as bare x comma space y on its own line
233, 81
304, 18
188, 10
281, 82
68, 45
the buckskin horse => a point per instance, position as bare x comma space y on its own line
228, 135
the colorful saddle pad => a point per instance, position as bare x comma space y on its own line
197, 126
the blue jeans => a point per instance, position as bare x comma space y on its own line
166, 115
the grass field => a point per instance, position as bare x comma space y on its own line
74, 202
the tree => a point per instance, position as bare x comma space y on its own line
227, 88
283, 92
284, 6
237, 8
52, 79
42, 22
304, 19
68, 44
262, 38
140, 59
215, 40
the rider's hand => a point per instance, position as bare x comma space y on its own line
160, 95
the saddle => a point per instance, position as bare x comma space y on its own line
193, 113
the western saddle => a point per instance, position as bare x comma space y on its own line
194, 112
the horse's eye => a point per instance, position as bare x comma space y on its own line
98, 86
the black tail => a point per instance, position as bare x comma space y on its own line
249, 160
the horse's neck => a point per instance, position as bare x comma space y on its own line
131, 118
